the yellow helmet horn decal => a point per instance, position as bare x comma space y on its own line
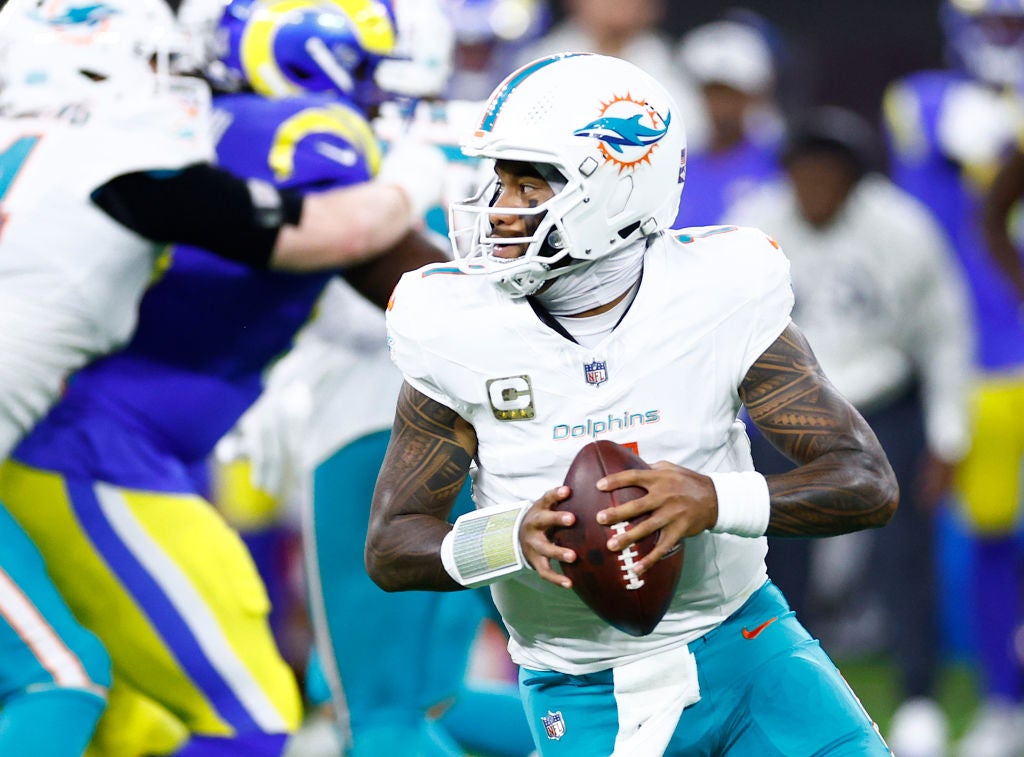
373, 28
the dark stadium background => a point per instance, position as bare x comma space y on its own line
840, 52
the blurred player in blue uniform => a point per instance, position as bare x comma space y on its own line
144, 560
488, 37
948, 129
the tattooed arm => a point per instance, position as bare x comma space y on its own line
425, 466
844, 481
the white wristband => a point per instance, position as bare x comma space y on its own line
744, 505
483, 545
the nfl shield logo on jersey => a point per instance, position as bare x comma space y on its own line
554, 725
596, 372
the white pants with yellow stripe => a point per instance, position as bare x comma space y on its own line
172, 592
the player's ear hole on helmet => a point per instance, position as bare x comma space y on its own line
625, 231
555, 240
298, 73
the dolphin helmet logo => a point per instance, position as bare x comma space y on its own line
628, 131
616, 132
86, 14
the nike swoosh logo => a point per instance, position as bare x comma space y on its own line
757, 631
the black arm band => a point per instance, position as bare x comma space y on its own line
204, 206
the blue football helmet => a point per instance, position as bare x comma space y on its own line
363, 49
986, 39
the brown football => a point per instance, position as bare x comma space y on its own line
603, 579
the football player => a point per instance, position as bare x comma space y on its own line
139, 556
80, 100
574, 315
948, 129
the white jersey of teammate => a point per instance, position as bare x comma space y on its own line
666, 379
70, 277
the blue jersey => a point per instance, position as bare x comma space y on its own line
148, 416
715, 181
928, 159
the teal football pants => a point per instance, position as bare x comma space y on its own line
767, 690
54, 674
390, 659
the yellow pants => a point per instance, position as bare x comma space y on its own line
172, 592
989, 479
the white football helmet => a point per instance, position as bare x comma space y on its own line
67, 50
605, 127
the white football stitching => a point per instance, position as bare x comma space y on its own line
628, 558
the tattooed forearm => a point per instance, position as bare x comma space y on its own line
425, 467
843, 481
430, 462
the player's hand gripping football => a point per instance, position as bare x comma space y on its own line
538, 549
681, 502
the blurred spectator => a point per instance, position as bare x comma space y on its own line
627, 29
880, 300
948, 129
488, 36
732, 63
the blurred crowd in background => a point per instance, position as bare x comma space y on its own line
879, 144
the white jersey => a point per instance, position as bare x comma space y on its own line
70, 277
711, 301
